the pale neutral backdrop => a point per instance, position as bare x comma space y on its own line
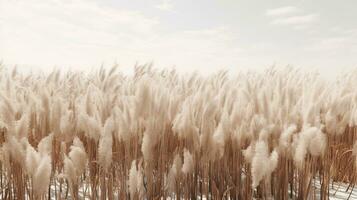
203, 35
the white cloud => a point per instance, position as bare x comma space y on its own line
165, 5
281, 11
291, 16
296, 20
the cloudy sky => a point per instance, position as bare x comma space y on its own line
204, 35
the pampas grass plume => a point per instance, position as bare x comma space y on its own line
22, 126
285, 137
133, 179
188, 163
318, 143
219, 140
69, 170
79, 157
105, 145
259, 162
32, 160
41, 178
45, 145
263, 164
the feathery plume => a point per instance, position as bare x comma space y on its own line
41, 178
22, 126
105, 145
133, 179
188, 164
318, 143
173, 173
45, 145
79, 158
32, 160
286, 136
260, 160
69, 170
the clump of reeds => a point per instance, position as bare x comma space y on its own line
158, 134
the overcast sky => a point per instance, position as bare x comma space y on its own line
204, 35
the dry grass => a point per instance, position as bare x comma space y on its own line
158, 134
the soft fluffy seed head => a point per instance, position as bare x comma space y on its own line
55, 115
149, 140
263, 164
300, 153
70, 170
78, 143
184, 124
122, 124
7, 110
331, 122
273, 161
32, 160
210, 109
259, 161
219, 141
105, 145
79, 158
90, 125
143, 95
41, 178
66, 123
22, 126
171, 180
311, 140
17, 151
139, 184
226, 122
133, 179
146, 147
45, 145
286, 136
188, 164
317, 144
303, 144
105, 152
108, 127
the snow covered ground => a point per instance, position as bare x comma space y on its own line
340, 191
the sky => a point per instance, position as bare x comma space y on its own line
199, 35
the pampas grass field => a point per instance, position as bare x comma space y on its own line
157, 134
